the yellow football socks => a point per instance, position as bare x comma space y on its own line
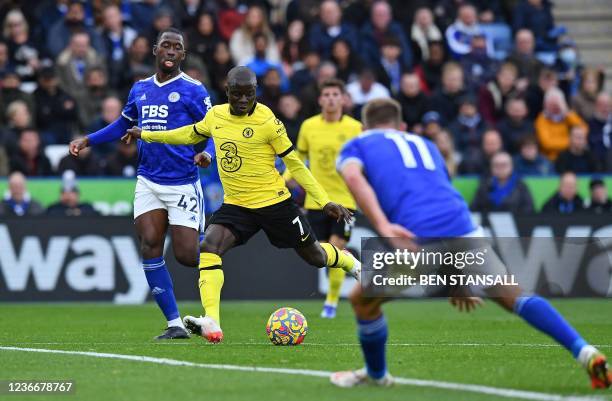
336, 278
210, 283
337, 258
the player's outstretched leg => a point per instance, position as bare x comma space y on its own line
217, 240
372, 330
321, 254
540, 314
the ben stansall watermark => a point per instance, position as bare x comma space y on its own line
429, 269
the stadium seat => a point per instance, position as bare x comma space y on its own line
501, 36
55, 154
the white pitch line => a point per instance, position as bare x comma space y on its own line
473, 388
310, 344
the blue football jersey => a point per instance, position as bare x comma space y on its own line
410, 179
164, 106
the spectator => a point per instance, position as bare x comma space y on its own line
381, 25
347, 61
29, 158
492, 97
504, 190
446, 100
523, 56
111, 110
577, 158
163, 19
4, 159
599, 202
86, 163
566, 200
310, 93
553, 125
444, 142
143, 13
468, 127
478, 67
62, 32
56, 111
515, 125
203, 36
536, 16
22, 51
432, 125
529, 161
289, 112
49, 14
10, 92
568, 67
74, 61
459, 35
271, 89
390, 67
19, 118
330, 28
90, 99
187, 12
478, 160
69, 204
535, 91
600, 130
260, 65
422, 32
430, 71
294, 47
591, 83
123, 161
308, 72
5, 62
241, 44
117, 38
140, 56
17, 201
219, 69
366, 89
412, 99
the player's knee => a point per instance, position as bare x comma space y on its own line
316, 257
212, 247
187, 257
150, 248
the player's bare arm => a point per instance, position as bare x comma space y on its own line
368, 202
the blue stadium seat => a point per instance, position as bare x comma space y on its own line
501, 35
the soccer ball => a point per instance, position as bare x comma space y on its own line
287, 326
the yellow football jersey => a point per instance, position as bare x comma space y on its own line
320, 142
246, 149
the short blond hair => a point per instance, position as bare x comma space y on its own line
381, 111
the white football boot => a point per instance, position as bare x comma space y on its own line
356, 272
352, 378
204, 326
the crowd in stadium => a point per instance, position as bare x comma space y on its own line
497, 85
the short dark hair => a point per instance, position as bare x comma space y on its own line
332, 83
168, 30
381, 111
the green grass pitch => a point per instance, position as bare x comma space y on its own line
428, 340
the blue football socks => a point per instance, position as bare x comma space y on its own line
540, 314
160, 283
373, 338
